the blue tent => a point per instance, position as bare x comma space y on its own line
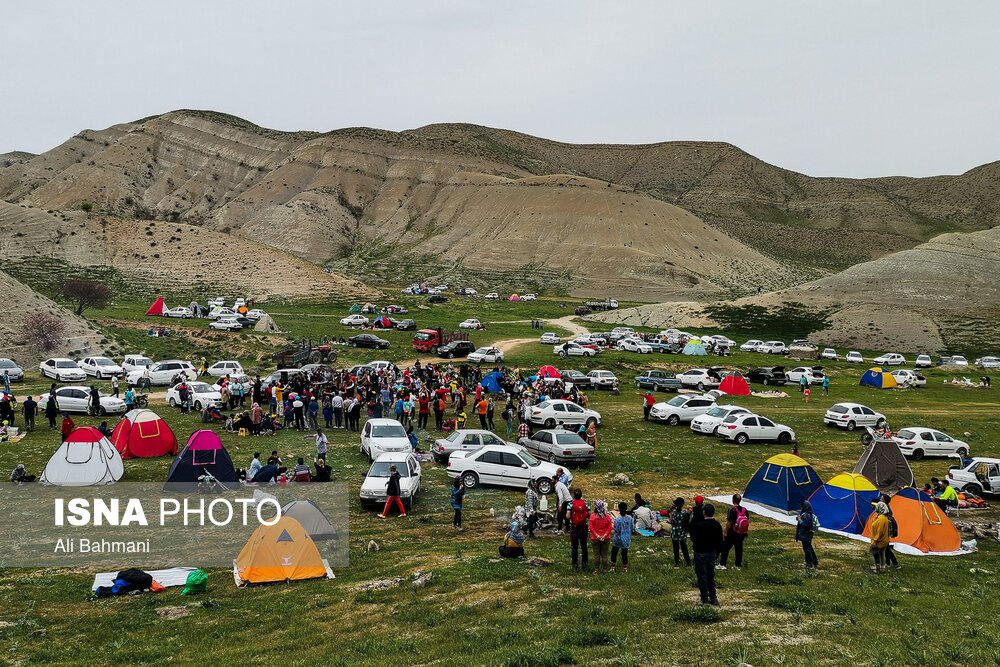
878, 378
844, 502
782, 483
695, 348
491, 382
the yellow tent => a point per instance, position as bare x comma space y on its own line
282, 551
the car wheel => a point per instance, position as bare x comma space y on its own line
783, 438
450, 355
197, 406
742, 439
701, 386
962, 452
173, 403
766, 382
544, 486
715, 431
880, 423
917, 454
851, 425
562, 353
673, 420
470, 479
102, 411
550, 423
974, 489
866, 438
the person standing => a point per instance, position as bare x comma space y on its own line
531, 506
52, 407
321, 444
439, 406
578, 514
95, 401
890, 553
490, 410
679, 522
826, 385
563, 501
29, 408
623, 526
737, 527
508, 416
706, 541
590, 435
481, 407
6, 382
337, 403
392, 493
312, 412
802, 382
648, 402
805, 525
879, 537
457, 498
423, 410
298, 410
601, 527
114, 386
67, 426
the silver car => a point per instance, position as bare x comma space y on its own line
14, 372
558, 446
464, 439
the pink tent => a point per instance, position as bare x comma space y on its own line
549, 372
514, 297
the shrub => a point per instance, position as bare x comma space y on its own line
43, 331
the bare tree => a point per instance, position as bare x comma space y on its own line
87, 294
42, 331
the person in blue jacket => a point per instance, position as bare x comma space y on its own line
623, 525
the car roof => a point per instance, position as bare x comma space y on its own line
383, 421
983, 459
851, 405
393, 457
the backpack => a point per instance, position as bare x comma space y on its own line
578, 513
893, 527
742, 524
815, 524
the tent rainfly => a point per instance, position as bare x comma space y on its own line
885, 465
782, 483
85, 458
158, 308
142, 433
282, 551
878, 378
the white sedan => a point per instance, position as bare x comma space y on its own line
853, 415
470, 324
180, 312
889, 359
772, 347
200, 394
162, 372
829, 354
708, 423
529, 297
77, 399
489, 355
559, 411
700, 378
634, 345
62, 370
924, 361
373, 489
355, 320
741, 429
812, 375
223, 368
255, 314
379, 436
100, 367
574, 350
751, 345
492, 296
988, 362
549, 338
681, 409
854, 357
226, 324
221, 311
502, 465
918, 442
904, 378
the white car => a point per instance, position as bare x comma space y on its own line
373, 489
634, 345
549, 338
223, 368
133, 362
854, 357
741, 429
221, 311
979, 475
917, 442
180, 312
924, 361
489, 355
255, 314
681, 409
529, 297
572, 349
463, 439
62, 370
163, 372
470, 324
830, 354
959, 360
239, 303
700, 378
355, 320
772, 347
379, 436
217, 301
751, 345
77, 399
904, 377
502, 465
492, 296
200, 394
101, 367
225, 324
853, 415
813, 375
559, 411
591, 339
889, 359
988, 362
243, 379
605, 379
709, 422
719, 339
14, 372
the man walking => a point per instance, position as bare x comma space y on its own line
29, 408
706, 541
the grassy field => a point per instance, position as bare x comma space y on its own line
478, 609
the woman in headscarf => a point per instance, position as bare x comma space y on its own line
880, 537
601, 527
256, 417
513, 542
591, 434
804, 529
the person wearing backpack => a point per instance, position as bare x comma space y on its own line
579, 514
806, 524
890, 555
737, 527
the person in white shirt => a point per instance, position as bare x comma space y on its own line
563, 500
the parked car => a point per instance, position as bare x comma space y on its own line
768, 375
489, 355
492, 296
853, 415
634, 345
76, 399
708, 423
221, 311
133, 362
200, 394
854, 357
558, 446
576, 378
923, 361
978, 475
393, 309
813, 375
988, 362
456, 348
572, 349
356, 320
226, 324
163, 372
701, 378
437, 298
382, 435
373, 488
830, 354
741, 429
681, 409
180, 312
14, 372
407, 325
602, 379
917, 442
502, 465
904, 377
549, 338
772, 347
889, 359
751, 345
959, 360
224, 368
463, 439
255, 314
581, 311
62, 370
242, 378
470, 324
657, 381
100, 367
368, 340
529, 297
560, 411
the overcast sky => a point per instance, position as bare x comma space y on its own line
845, 88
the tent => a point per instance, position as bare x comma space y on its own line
369, 308
491, 382
282, 551
142, 433
782, 483
549, 372
695, 348
355, 309
735, 384
202, 453
266, 324
885, 466
382, 322
878, 378
312, 519
844, 502
514, 297
922, 524
158, 308
86, 458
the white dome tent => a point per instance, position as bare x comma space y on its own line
86, 458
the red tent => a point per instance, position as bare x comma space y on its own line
735, 385
382, 322
142, 433
548, 372
158, 307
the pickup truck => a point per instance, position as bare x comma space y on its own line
657, 381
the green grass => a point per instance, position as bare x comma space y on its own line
478, 609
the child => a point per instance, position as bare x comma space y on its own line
457, 497
805, 392
623, 525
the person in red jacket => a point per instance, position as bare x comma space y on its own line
648, 405
67, 426
601, 527
423, 410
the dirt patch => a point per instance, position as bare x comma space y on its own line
173, 613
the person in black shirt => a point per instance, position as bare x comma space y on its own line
30, 409
706, 542
322, 471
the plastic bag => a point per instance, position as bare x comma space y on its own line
197, 582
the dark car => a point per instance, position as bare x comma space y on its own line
246, 322
368, 340
581, 380
582, 310
437, 298
456, 348
407, 325
768, 375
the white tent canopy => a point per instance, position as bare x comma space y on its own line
86, 458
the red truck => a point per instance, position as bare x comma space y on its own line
429, 340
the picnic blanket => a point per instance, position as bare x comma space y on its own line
174, 576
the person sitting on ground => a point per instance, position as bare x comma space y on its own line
19, 475
322, 471
243, 422
231, 423
268, 474
645, 518
103, 428
274, 459
301, 471
513, 542
255, 467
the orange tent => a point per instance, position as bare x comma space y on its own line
921, 522
735, 385
282, 551
158, 307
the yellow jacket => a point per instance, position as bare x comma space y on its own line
880, 531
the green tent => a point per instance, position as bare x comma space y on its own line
355, 309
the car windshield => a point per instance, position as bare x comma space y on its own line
839, 408
528, 458
718, 412
388, 431
141, 362
66, 364
381, 469
202, 388
905, 434
569, 439
677, 401
455, 436
103, 362
483, 350
7, 363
